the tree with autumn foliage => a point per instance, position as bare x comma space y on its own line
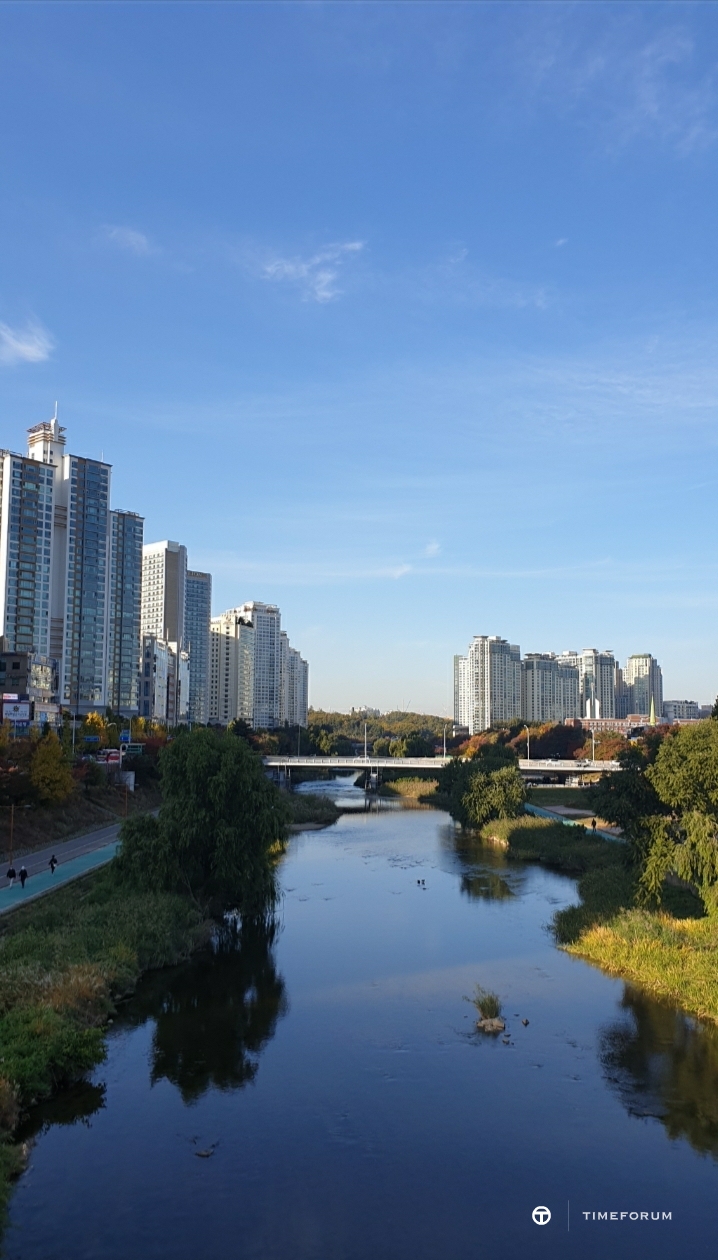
50, 772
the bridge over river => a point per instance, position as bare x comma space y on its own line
528, 767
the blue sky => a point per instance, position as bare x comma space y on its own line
402, 316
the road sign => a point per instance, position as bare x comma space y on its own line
124, 737
92, 739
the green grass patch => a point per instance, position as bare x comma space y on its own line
305, 807
673, 958
415, 788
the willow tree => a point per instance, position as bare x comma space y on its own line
220, 828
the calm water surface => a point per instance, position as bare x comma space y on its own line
331, 1067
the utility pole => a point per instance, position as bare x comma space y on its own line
444, 739
365, 753
593, 744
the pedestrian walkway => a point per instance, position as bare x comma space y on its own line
539, 811
43, 881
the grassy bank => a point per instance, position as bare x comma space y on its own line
673, 954
64, 962
305, 808
413, 789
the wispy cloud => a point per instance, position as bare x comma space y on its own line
316, 276
31, 344
625, 80
129, 239
432, 549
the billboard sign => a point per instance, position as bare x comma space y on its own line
16, 710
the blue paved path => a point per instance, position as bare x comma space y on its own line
44, 882
540, 812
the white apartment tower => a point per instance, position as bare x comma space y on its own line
597, 681
487, 684
265, 620
644, 684
164, 586
255, 675
549, 689
231, 669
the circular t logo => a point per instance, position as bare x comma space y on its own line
541, 1215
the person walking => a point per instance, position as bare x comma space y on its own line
593, 825
11, 874
52, 863
23, 874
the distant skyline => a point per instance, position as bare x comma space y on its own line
402, 317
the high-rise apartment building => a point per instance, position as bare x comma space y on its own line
164, 681
644, 682
231, 670
255, 674
27, 499
164, 594
55, 560
294, 685
86, 483
549, 689
487, 684
124, 613
265, 620
198, 614
461, 691
164, 583
597, 681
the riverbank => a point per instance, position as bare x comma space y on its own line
672, 953
65, 961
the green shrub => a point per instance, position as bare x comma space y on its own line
41, 1049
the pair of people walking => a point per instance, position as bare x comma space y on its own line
12, 874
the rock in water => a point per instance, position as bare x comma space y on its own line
491, 1025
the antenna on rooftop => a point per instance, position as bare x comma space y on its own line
55, 415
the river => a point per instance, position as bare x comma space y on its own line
318, 1091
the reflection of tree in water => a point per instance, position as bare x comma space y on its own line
214, 1015
663, 1064
73, 1105
485, 886
484, 869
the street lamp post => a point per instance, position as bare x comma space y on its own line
528, 743
444, 739
593, 744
